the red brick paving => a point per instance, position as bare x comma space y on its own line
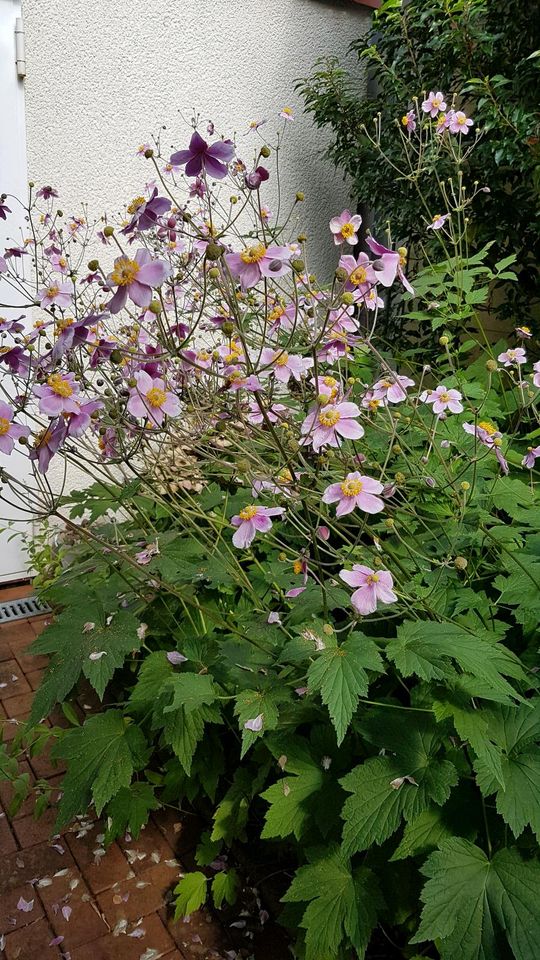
111, 905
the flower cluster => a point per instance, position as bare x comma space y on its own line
202, 331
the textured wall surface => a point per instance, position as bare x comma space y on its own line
103, 76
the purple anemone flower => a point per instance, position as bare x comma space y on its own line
16, 359
46, 193
256, 177
47, 443
200, 157
4, 210
9, 431
78, 423
135, 278
145, 213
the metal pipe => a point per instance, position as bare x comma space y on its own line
20, 59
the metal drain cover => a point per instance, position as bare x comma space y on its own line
22, 609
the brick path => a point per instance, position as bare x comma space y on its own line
105, 906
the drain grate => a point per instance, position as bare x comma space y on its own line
11, 610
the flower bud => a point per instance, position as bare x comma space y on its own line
323, 533
108, 231
233, 200
149, 153
228, 328
460, 563
214, 273
491, 365
301, 238
265, 152
444, 341
300, 196
93, 265
347, 298
465, 485
341, 274
298, 265
116, 356
275, 265
155, 307
389, 523
396, 448
214, 251
400, 477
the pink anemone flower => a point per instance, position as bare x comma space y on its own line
486, 433
512, 358
530, 457
389, 265
438, 221
373, 587
56, 294
443, 399
434, 104
329, 425
355, 491
151, 399
392, 389
458, 122
361, 277
284, 365
251, 520
58, 395
9, 431
345, 228
135, 278
258, 261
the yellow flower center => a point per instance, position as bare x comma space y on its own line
125, 272
278, 312
444, 397
402, 256
288, 111
203, 355
135, 204
62, 262
358, 276
52, 291
63, 324
488, 427
441, 120
236, 376
329, 418
4, 426
461, 121
285, 476
372, 578
351, 488
405, 120
330, 381
297, 566
281, 358
347, 230
525, 329
374, 405
253, 254
156, 397
58, 385
436, 102
248, 513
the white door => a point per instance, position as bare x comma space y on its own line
13, 180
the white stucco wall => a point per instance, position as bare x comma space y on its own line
102, 76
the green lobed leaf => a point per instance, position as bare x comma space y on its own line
190, 894
340, 674
102, 757
129, 810
225, 886
342, 904
474, 907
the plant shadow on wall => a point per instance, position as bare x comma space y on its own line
487, 51
304, 576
